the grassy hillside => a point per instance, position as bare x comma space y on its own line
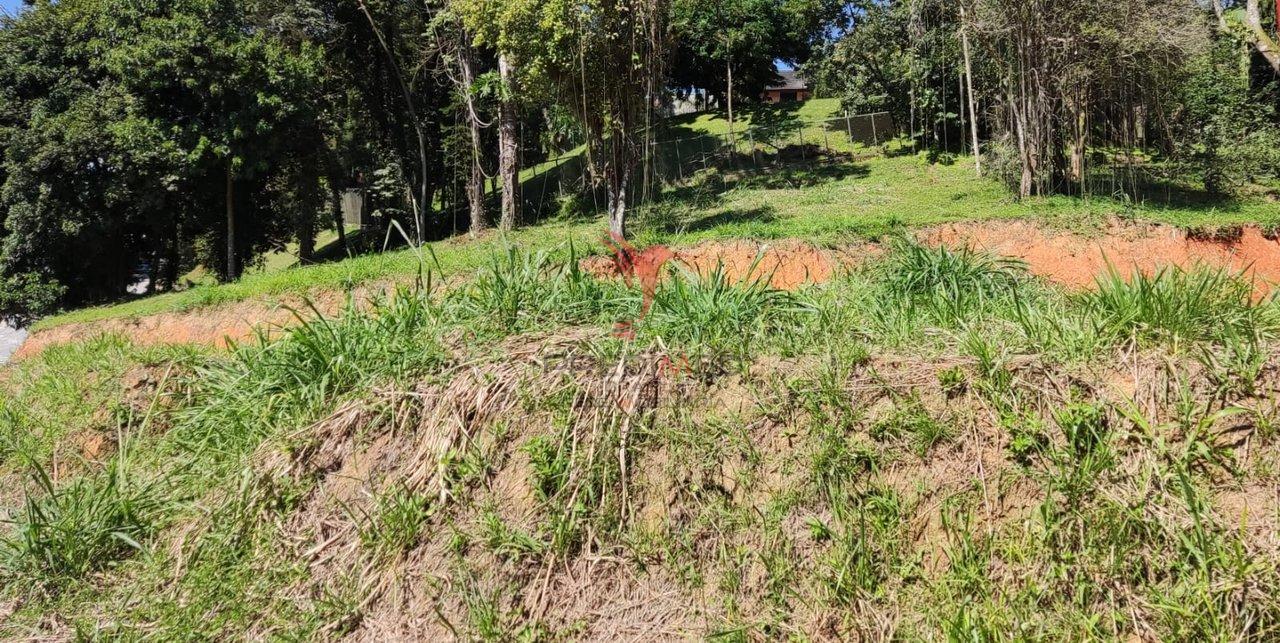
934, 446
856, 193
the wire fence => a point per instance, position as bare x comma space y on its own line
681, 152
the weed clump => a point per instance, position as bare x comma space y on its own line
951, 285
712, 315
1178, 307
89, 524
520, 291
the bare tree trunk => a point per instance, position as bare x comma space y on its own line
1262, 41
173, 258
153, 273
1079, 143
233, 268
338, 223
508, 147
475, 183
729, 97
419, 211
1140, 126
973, 102
618, 205
306, 239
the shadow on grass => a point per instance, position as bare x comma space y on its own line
696, 203
1141, 186
734, 217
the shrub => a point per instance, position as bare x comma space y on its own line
951, 284
1176, 306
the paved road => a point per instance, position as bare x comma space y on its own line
10, 339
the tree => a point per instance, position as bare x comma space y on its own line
149, 132
422, 202
730, 46
88, 179
605, 61
1068, 71
728, 35
872, 67
471, 113
234, 99
504, 27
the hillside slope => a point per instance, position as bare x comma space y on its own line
936, 445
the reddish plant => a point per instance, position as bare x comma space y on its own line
673, 367
642, 266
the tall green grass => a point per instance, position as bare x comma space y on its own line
526, 290
292, 379
714, 315
951, 285
1177, 307
89, 524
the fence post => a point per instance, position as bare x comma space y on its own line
848, 126
679, 161
875, 137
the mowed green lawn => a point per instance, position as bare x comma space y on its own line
863, 194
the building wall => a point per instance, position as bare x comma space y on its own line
776, 95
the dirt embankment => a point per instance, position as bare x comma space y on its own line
1070, 258
787, 264
217, 326
1073, 259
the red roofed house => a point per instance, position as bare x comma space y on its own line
792, 88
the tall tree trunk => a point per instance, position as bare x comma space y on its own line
475, 183
420, 207
1262, 41
173, 258
153, 273
233, 267
618, 204
306, 239
338, 223
729, 96
508, 146
973, 102
1079, 133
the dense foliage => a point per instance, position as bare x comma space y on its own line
1053, 88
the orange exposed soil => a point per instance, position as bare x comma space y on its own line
1068, 258
787, 264
1075, 260
212, 326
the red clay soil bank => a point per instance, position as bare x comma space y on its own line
1069, 258
788, 264
1075, 260
212, 326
